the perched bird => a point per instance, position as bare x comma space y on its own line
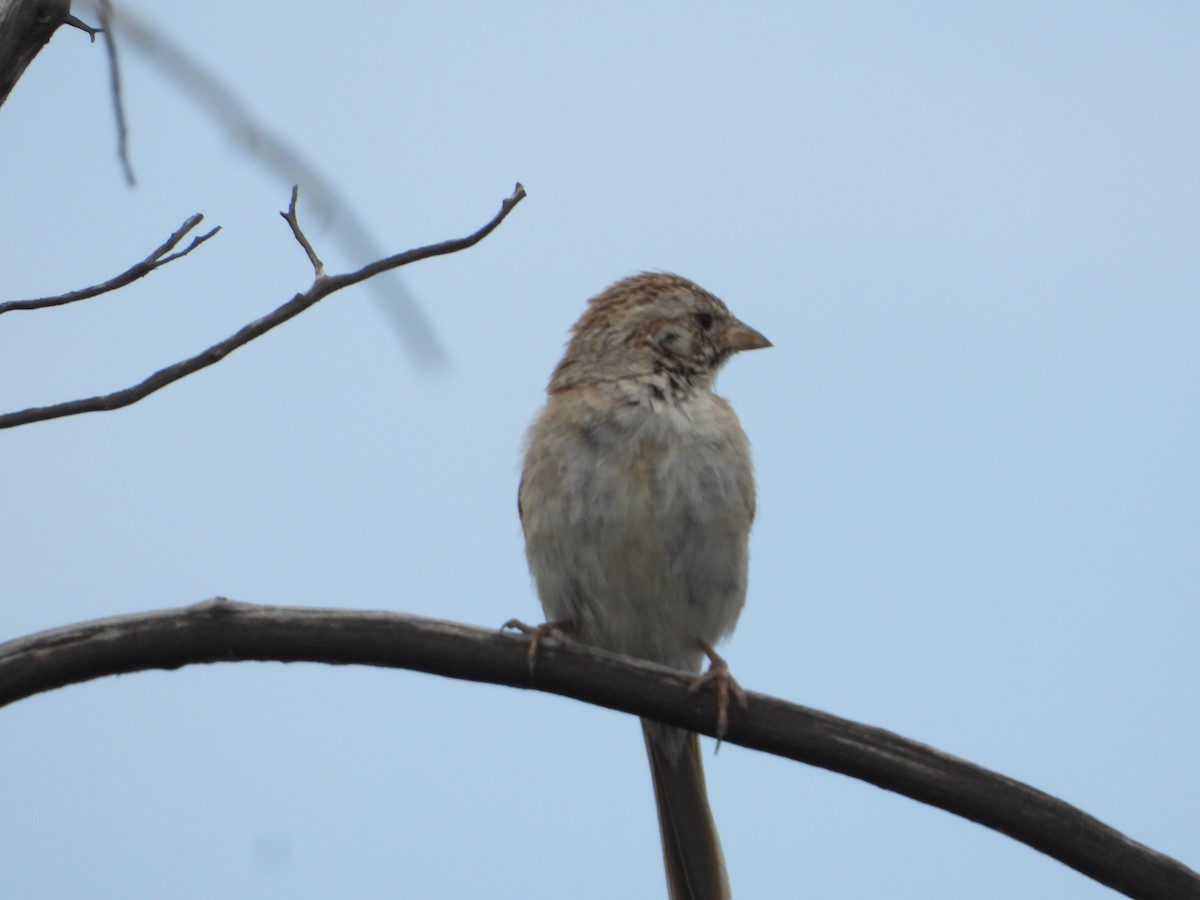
636, 499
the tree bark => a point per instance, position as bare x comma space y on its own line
25, 27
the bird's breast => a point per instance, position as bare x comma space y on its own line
636, 519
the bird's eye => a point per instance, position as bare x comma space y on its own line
704, 320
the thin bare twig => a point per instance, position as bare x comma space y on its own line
294, 223
105, 12
133, 273
75, 22
320, 289
224, 631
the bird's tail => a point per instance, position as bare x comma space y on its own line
691, 848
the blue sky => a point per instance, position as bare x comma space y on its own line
970, 232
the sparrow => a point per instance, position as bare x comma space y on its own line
636, 500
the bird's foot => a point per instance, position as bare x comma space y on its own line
558, 630
724, 683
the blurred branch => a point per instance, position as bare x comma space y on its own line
25, 27
158, 258
224, 631
246, 131
322, 287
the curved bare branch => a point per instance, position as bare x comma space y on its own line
223, 631
321, 288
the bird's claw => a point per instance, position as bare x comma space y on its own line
556, 630
724, 683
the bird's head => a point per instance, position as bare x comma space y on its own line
653, 323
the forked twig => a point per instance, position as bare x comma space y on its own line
156, 259
294, 224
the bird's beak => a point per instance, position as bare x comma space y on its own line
740, 336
